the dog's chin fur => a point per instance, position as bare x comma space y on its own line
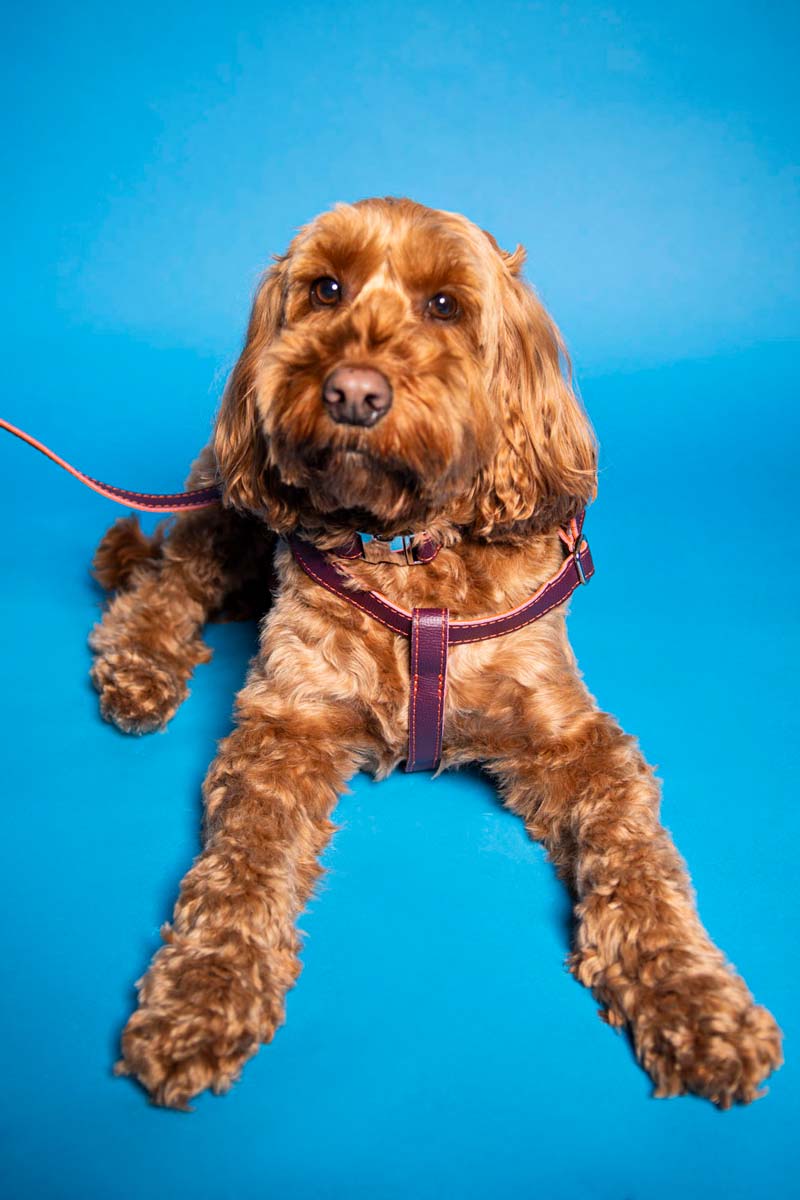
350, 480
354, 481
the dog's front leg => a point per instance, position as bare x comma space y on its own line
210, 563
588, 794
216, 989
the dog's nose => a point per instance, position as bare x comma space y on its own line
357, 395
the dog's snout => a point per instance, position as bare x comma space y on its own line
357, 395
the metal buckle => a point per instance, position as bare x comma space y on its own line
408, 553
396, 545
576, 558
402, 545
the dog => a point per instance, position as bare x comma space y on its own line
399, 379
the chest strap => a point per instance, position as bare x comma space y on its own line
426, 685
431, 632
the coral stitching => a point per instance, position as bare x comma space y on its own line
444, 621
412, 740
351, 599
485, 637
537, 596
459, 625
178, 497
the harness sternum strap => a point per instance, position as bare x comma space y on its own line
426, 687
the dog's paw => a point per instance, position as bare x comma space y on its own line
176, 1060
196, 1027
707, 1037
137, 694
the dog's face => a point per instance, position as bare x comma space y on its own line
396, 372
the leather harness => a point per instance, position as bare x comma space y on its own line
430, 631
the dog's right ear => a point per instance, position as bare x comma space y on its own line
544, 470
239, 444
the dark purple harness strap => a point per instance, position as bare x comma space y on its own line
427, 679
578, 568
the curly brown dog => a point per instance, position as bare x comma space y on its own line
398, 375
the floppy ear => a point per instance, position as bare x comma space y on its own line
240, 446
514, 260
545, 467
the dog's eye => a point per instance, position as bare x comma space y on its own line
326, 291
443, 306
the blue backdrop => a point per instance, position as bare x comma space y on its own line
647, 156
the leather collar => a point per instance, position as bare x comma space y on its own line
406, 550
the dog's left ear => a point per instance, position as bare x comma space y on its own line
545, 467
249, 482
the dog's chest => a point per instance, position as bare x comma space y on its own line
342, 653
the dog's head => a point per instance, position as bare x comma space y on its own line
398, 371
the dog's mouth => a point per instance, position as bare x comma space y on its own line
399, 471
340, 460
350, 477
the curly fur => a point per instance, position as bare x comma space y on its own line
487, 447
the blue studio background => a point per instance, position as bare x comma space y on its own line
154, 157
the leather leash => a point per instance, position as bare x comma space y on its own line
163, 502
430, 631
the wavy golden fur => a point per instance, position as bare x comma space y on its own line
486, 446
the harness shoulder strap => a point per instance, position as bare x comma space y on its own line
577, 569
